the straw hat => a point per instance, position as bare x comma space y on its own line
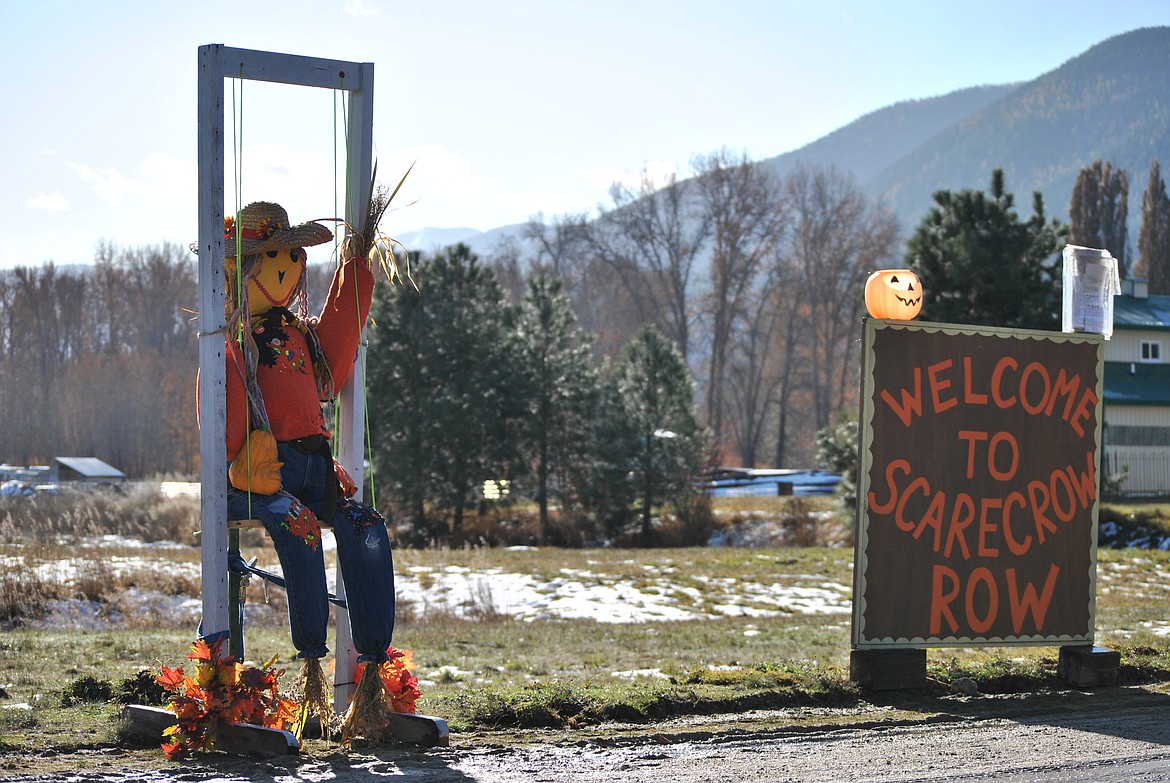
264, 226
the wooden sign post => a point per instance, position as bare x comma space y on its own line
979, 457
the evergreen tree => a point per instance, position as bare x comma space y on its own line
1099, 209
837, 451
442, 389
1154, 237
605, 477
655, 389
560, 390
980, 265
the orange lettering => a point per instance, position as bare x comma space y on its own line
1086, 485
940, 600
969, 395
1038, 494
987, 526
963, 503
910, 404
900, 520
997, 382
1029, 602
1017, 548
971, 436
938, 386
982, 624
1064, 387
1003, 475
1058, 481
933, 518
1084, 411
1034, 368
885, 508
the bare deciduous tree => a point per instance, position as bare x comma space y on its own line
560, 245
652, 240
838, 239
101, 361
745, 209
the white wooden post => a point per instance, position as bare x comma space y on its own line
212, 388
217, 62
351, 429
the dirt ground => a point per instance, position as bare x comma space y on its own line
1115, 734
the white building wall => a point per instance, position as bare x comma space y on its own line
1147, 467
1126, 345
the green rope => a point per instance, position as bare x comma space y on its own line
337, 254
238, 193
369, 440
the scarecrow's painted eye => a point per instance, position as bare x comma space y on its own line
273, 253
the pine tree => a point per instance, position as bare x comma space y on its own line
655, 389
604, 478
442, 390
559, 392
1154, 237
980, 265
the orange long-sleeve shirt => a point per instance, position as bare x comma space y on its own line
285, 371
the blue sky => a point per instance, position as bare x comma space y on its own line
510, 108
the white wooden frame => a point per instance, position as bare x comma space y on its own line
217, 62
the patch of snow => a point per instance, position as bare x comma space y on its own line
593, 597
633, 674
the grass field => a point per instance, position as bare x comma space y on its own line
526, 640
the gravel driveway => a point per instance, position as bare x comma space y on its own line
1116, 734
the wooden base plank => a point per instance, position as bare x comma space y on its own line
148, 723
238, 738
420, 730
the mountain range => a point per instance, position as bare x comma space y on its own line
1111, 103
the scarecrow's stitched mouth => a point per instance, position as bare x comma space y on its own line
264, 291
908, 302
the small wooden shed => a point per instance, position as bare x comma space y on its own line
86, 469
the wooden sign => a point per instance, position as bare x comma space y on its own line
978, 476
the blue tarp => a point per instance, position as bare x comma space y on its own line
737, 483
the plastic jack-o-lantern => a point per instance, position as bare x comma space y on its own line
894, 294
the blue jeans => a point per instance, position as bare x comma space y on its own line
363, 552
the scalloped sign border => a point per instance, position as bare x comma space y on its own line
978, 453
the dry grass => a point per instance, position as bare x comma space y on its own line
135, 511
483, 669
478, 661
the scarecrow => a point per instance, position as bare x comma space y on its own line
282, 365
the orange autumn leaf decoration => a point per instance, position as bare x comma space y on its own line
255, 468
170, 679
222, 691
397, 675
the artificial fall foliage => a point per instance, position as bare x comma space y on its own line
222, 691
398, 678
395, 689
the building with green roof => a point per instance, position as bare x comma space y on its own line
1137, 392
